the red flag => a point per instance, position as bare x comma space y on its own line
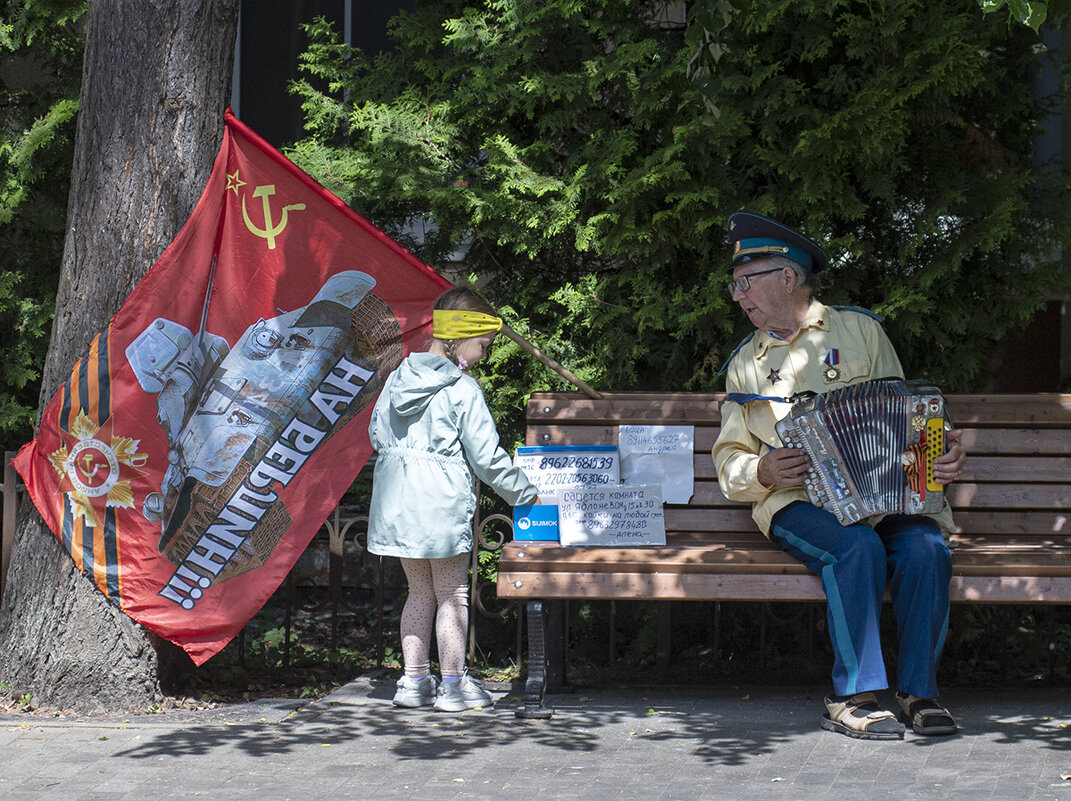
211, 428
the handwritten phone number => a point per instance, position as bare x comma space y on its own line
568, 479
611, 525
576, 462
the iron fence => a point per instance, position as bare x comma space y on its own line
338, 579
336, 559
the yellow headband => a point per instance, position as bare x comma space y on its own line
454, 324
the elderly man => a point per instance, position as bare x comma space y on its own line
799, 345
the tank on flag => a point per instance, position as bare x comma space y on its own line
222, 408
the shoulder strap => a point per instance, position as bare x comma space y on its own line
861, 310
744, 397
745, 340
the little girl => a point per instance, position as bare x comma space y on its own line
434, 434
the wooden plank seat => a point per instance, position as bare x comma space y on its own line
1012, 504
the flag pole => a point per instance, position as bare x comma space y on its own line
549, 362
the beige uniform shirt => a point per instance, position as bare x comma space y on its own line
769, 366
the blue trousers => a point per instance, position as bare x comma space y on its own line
854, 564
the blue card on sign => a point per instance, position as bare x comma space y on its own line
535, 521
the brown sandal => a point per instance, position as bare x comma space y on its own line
872, 724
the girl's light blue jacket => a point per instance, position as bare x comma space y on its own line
434, 433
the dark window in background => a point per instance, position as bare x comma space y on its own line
270, 39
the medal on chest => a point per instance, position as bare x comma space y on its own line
831, 372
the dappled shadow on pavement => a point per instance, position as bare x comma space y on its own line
1039, 729
717, 728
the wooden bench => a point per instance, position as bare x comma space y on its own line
1012, 504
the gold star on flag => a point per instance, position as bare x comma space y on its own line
96, 467
234, 182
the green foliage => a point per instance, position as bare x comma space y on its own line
41, 49
1029, 12
1006, 645
584, 159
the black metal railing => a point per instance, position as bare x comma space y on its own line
343, 538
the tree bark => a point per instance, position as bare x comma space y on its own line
155, 82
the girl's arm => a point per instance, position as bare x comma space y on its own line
485, 455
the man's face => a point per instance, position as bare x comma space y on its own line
766, 301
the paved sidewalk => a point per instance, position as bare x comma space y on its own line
649, 744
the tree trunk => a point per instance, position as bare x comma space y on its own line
155, 82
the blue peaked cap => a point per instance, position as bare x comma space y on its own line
755, 237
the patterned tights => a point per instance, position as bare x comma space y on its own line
439, 596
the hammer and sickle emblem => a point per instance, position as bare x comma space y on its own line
87, 461
270, 229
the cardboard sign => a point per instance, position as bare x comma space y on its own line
618, 516
659, 455
553, 467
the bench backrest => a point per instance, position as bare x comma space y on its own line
1017, 480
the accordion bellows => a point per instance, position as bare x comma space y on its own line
871, 447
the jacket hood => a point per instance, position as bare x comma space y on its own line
418, 378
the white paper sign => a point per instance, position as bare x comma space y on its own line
617, 516
552, 467
659, 455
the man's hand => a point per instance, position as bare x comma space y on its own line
785, 467
948, 466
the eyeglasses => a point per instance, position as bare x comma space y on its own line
743, 283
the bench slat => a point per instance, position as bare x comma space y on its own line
750, 587
1006, 410
1008, 496
622, 407
987, 467
632, 586
994, 442
997, 409
961, 495
1015, 441
1000, 410
715, 520
969, 552
1015, 522
1010, 589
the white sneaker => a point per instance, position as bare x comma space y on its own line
412, 693
465, 694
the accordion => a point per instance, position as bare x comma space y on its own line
871, 447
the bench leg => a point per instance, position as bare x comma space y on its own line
557, 645
535, 687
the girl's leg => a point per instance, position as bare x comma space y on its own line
418, 615
450, 580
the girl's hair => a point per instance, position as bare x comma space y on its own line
460, 298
